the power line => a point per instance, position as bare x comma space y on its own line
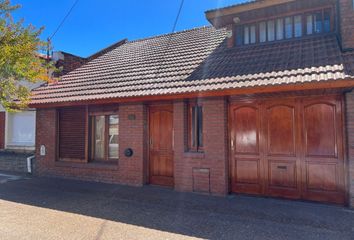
177, 17
167, 46
62, 22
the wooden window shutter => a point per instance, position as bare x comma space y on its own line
72, 126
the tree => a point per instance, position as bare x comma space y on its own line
19, 58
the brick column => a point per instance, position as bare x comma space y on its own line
202, 172
349, 99
132, 134
215, 143
46, 135
182, 172
346, 10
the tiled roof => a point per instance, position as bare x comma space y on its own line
198, 60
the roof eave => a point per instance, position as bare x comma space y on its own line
332, 84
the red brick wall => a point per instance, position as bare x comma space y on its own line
199, 172
46, 136
2, 130
347, 26
192, 170
127, 171
350, 140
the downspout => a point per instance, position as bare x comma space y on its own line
29, 164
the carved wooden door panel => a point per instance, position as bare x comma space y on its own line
281, 158
323, 157
246, 164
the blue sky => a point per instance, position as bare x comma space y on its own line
95, 24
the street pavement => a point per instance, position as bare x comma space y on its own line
50, 208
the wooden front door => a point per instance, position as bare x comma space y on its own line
161, 145
289, 148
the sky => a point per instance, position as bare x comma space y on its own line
96, 24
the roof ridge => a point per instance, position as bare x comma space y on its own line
107, 49
167, 34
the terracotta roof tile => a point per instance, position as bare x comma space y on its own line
198, 60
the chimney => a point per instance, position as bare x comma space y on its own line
66, 62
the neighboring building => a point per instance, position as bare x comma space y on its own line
261, 103
17, 130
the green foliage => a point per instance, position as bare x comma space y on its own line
19, 59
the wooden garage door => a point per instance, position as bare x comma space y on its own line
289, 148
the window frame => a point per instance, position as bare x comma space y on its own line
282, 28
198, 132
303, 25
249, 34
91, 132
259, 32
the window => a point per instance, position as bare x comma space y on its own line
104, 137
72, 134
21, 129
249, 34
246, 36
280, 29
297, 26
327, 21
271, 30
239, 35
195, 123
253, 34
262, 32
318, 22
309, 25
288, 27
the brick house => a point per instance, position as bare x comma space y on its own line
261, 103
17, 129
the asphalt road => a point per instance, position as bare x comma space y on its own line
48, 208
